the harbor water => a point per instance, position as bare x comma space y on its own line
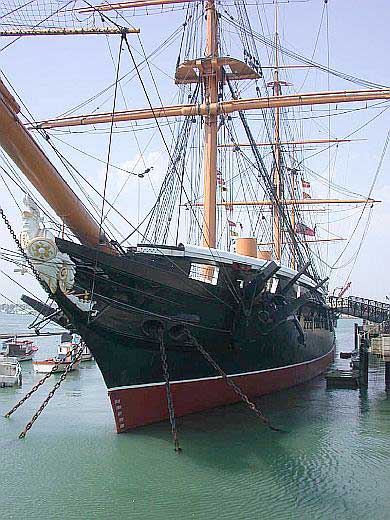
332, 460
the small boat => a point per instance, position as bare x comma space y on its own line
23, 350
57, 365
10, 372
60, 363
69, 341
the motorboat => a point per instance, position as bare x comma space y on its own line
70, 341
10, 372
65, 357
22, 349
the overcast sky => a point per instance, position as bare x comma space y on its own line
53, 75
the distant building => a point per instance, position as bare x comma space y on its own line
12, 308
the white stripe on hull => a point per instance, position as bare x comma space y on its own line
220, 377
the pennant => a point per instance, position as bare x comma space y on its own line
302, 229
305, 184
231, 223
306, 195
220, 180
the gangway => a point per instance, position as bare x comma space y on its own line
370, 310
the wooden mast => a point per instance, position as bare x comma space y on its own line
18, 144
293, 143
222, 107
75, 31
210, 77
130, 5
290, 202
277, 238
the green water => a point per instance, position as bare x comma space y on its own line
332, 463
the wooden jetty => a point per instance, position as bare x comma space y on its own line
343, 379
373, 336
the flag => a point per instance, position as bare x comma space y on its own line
233, 233
305, 184
306, 195
220, 181
231, 223
302, 229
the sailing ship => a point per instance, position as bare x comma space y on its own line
243, 299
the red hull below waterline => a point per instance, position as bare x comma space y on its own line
144, 404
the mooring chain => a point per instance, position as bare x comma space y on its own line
24, 254
29, 394
50, 395
232, 384
35, 387
171, 410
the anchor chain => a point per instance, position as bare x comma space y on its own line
35, 387
29, 394
23, 252
233, 385
50, 395
171, 410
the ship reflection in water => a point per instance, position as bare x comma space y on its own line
331, 463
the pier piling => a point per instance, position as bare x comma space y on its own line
363, 358
387, 374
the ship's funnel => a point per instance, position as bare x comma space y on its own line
246, 247
20, 146
264, 255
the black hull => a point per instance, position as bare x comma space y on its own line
137, 294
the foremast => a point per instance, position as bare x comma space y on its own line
210, 78
211, 72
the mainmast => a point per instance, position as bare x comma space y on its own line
211, 70
210, 126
